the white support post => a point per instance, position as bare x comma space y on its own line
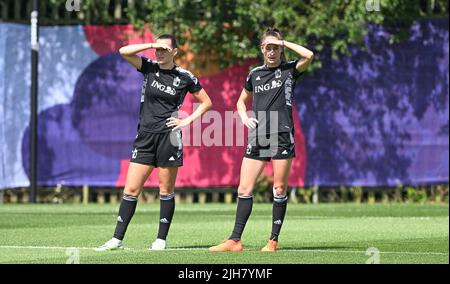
315, 194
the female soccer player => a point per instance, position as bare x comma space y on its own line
271, 134
158, 141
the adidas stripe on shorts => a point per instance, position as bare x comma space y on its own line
158, 149
278, 146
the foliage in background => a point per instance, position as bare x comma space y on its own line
262, 193
228, 31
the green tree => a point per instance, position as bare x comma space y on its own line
229, 30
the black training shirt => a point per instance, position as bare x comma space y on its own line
162, 95
272, 89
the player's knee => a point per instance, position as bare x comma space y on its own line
245, 190
279, 194
280, 189
132, 191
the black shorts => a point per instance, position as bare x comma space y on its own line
278, 146
158, 149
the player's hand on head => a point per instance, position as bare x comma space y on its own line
272, 41
158, 45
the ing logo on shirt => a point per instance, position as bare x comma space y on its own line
163, 88
266, 87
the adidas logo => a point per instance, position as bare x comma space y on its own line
258, 78
119, 219
285, 152
278, 222
164, 220
172, 159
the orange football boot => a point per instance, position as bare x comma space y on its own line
271, 246
227, 245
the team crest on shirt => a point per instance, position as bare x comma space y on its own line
278, 73
176, 81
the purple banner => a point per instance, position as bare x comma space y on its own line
378, 117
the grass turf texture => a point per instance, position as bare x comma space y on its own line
324, 233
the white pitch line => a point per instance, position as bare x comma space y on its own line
359, 251
204, 249
44, 247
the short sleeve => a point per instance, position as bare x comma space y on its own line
194, 84
294, 71
147, 67
248, 85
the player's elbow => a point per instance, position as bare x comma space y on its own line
206, 102
239, 104
209, 105
310, 56
123, 51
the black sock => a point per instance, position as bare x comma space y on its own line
278, 213
167, 208
126, 212
243, 211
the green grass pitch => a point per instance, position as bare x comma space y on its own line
324, 233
